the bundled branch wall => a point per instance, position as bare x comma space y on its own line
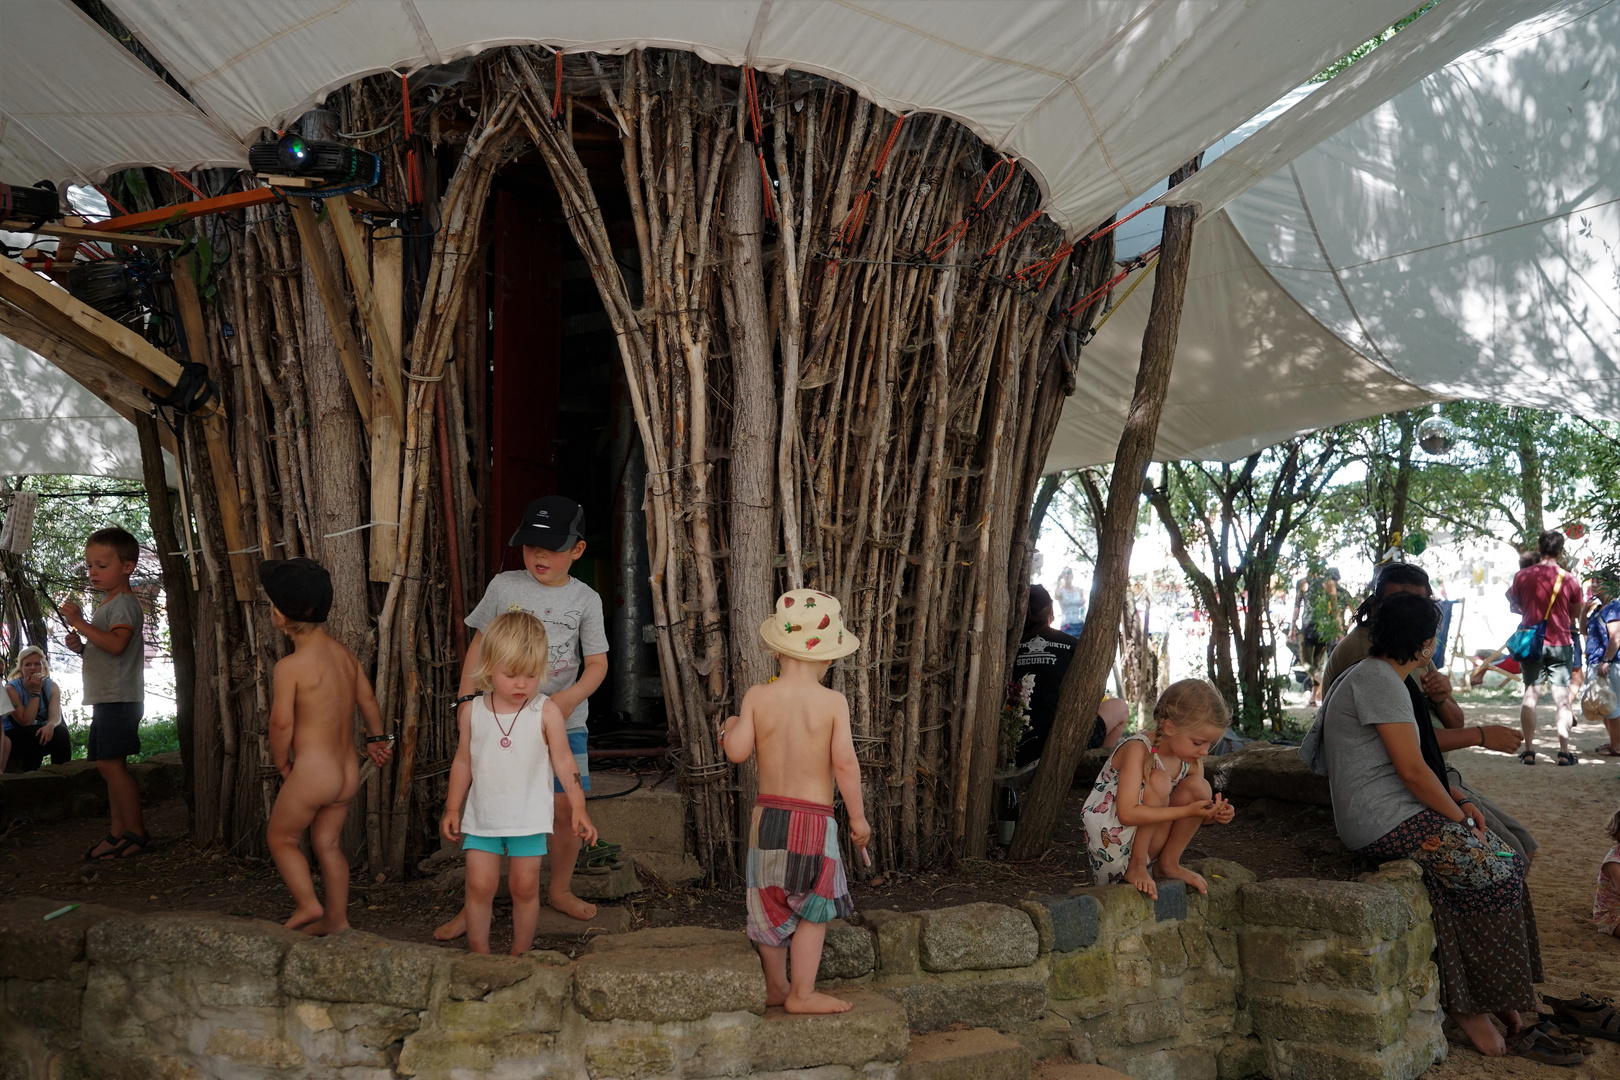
819, 403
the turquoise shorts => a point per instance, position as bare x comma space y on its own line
519, 847
576, 744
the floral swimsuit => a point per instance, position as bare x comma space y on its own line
1107, 841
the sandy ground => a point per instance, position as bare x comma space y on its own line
1566, 809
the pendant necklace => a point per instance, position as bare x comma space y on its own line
506, 732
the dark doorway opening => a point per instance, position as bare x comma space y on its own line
560, 420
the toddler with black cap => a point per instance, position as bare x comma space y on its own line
317, 689
552, 538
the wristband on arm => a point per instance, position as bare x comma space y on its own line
379, 738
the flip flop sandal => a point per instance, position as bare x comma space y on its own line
1585, 1046
1586, 1015
118, 845
1527, 757
1567, 758
134, 846
1606, 751
1536, 1046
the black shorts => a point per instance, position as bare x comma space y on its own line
115, 730
1099, 732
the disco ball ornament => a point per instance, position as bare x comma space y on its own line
1436, 436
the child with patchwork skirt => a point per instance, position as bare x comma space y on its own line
800, 729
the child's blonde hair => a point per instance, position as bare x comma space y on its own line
1186, 706
30, 650
1613, 827
514, 643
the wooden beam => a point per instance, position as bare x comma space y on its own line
170, 215
221, 465
384, 344
86, 232
83, 326
337, 307
388, 290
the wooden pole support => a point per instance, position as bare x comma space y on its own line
82, 326
337, 308
215, 435
384, 340
388, 429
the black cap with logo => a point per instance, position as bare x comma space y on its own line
553, 522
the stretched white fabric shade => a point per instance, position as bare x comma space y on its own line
49, 424
1099, 100
76, 105
1252, 367
1460, 241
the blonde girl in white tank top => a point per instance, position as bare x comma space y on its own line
1151, 795
500, 799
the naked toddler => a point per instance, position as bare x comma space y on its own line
317, 689
800, 729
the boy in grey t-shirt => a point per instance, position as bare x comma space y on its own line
114, 684
551, 539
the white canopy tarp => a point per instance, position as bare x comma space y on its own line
1460, 241
1404, 258
51, 425
1098, 99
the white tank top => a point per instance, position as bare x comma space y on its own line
511, 784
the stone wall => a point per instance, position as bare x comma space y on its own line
1285, 979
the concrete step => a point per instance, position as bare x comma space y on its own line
1057, 1069
974, 1054
874, 1029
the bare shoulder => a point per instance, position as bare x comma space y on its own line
832, 701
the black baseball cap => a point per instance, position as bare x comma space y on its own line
300, 588
553, 522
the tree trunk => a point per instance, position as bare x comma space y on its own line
177, 597
1530, 483
336, 443
751, 577
1082, 689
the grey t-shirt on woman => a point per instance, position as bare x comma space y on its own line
1369, 797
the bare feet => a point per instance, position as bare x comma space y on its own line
1511, 1021
324, 925
571, 905
1177, 872
775, 995
1138, 876
815, 1003
1482, 1033
304, 916
453, 929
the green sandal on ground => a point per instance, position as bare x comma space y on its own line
1527, 757
599, 858
1586, 1015
1567, 758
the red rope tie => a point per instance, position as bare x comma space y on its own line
413, 192
953, 235
112, 202
1047, 266
556, 97
188, 184
850, 229
1131, 267
1022, 225
756, 117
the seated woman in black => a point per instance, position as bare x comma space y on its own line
1392, 800
35, 725
1044, 653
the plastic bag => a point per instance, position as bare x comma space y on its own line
1597, 700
